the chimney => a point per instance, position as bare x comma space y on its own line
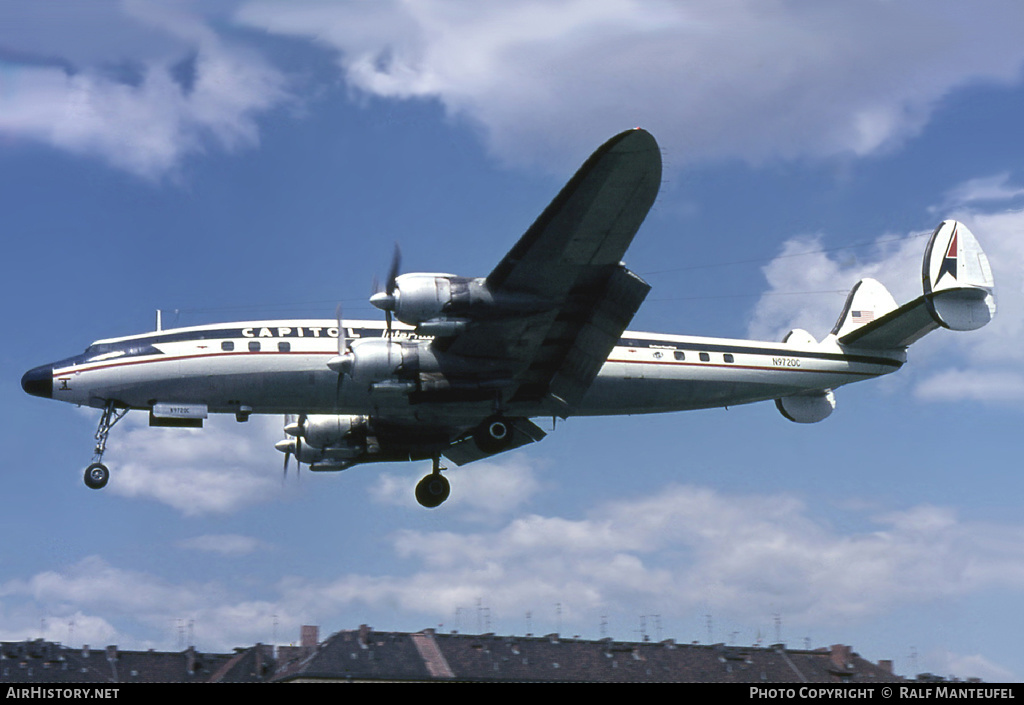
112, 660
190, 660
840, 655
310, 636
885, 665
364, 634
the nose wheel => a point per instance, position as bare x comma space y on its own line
96, 476
433, 489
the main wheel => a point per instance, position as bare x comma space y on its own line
96, 476
493, 435
432, 490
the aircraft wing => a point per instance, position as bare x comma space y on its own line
577, 296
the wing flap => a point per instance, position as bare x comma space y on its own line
465, 451
597, 335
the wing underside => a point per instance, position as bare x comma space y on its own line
568, 265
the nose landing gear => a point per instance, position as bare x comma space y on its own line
97, 474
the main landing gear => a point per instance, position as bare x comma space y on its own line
492, 436
97, 474
433, 489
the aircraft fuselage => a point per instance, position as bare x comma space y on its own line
280, 367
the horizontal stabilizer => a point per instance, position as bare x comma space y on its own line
897, 329
957, 295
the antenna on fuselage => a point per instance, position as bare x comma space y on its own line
159, 320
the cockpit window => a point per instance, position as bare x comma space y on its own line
110, 351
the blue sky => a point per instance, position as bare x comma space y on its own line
239, 160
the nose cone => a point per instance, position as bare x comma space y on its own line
39, 381
383, 301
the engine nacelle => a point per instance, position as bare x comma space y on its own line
371, 360
337, 442
418, 297
807, 408
324, 431
378, 360
798, 336
442, 304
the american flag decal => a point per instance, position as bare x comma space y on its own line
862, 316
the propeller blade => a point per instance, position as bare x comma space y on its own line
342, 335
396, 266
292, 446
342, 350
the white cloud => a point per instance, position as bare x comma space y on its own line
548, 79
679, 551
807, 285
217, 469
139, 610
691, 548
59, 626
986, 189
162, 86
487, 488
224, 544
979, 365
144, 85
979, 385
970, 666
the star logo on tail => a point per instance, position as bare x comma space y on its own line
949, 261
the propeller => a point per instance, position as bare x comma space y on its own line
342, 362
289, 446
385, 300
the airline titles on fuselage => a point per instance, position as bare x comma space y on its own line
323, 332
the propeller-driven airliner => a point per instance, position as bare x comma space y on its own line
460, 366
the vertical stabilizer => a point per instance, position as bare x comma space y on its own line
958, 280
868, 301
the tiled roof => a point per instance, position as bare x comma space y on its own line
365, 654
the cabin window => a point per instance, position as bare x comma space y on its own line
227, 345
254, 346
680, 355
728, 357
284, 346
704, 357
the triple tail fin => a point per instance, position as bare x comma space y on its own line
958, 287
